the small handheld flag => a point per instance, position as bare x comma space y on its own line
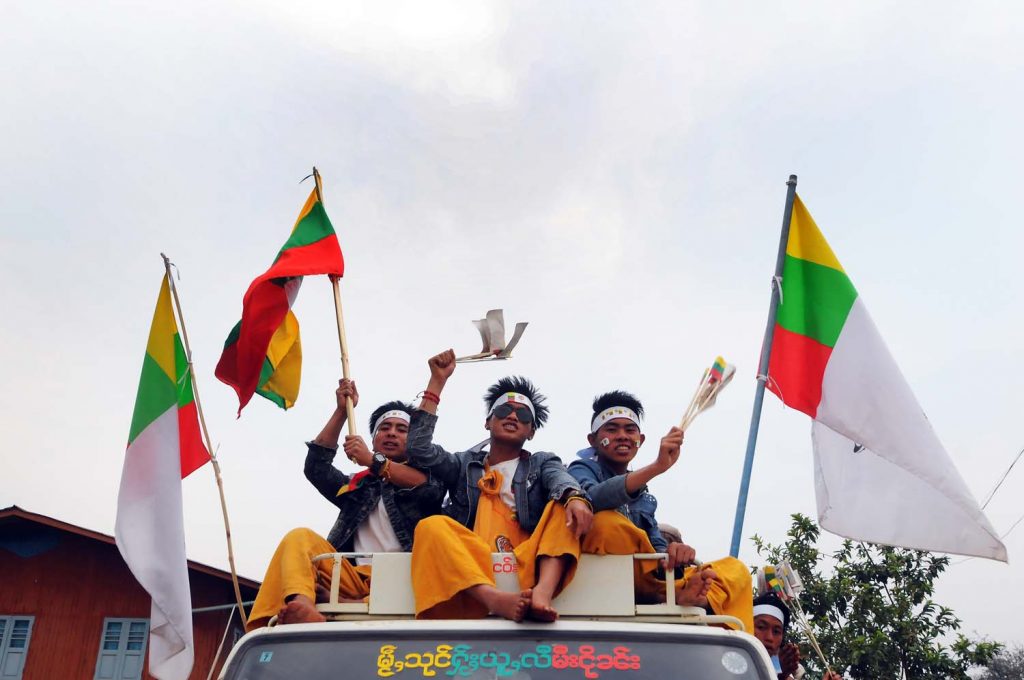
711, 383
783, 581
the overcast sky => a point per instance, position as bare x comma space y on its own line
612, 173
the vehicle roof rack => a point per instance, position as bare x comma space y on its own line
601, 589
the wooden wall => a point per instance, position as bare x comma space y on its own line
73, 585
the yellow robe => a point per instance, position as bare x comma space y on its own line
612, 533
448, 558
293, 572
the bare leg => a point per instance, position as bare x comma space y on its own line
549, 574
299, 609
511, 606
695, 592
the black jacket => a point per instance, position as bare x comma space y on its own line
540, 477
405, 507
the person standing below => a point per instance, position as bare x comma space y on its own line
378, 511
502, 498
771, 622
625, 521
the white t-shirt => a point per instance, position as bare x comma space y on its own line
508, 471
376, 534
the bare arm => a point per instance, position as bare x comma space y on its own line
329, 436
668, 454
441, 368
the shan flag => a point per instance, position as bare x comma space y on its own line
881, 473
164, 446
262, 353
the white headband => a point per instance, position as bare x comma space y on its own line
770, 610
612, 413
515, 398
401, 415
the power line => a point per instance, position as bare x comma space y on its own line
988, 500
1001, 480
1019, 520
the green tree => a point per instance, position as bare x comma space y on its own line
871, 610
1007, 665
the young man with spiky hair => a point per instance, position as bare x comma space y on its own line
624, 519
501, 498
378, 511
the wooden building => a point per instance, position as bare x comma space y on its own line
70, 608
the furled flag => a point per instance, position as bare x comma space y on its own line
881, 473
262, 353
164, 446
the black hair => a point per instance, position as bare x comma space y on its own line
516, 383
775, 601
618, 398
390, 406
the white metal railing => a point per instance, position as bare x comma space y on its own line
395, 598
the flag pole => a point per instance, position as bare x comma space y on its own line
350, 412
206, 438
762, 370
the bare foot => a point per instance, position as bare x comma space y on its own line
511, 606
300, 609
540, 607
695, 592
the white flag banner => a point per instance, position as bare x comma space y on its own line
164, 446
881, 473
151, 537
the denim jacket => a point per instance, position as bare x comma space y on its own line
405, 507
542, 478
608, 490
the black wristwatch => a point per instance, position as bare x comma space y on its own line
377, 464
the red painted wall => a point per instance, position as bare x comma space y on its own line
70, 587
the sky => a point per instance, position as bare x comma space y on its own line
613, 173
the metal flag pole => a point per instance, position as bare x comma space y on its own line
762, 370
206, 439
350, 412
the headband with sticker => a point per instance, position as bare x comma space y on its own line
611, 414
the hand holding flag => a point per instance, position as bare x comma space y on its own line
712, 382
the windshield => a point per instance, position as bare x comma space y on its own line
525, 656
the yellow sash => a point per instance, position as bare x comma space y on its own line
496, 522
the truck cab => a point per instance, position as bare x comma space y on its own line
601, 634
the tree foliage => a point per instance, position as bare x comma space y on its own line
871, 609
1007, 665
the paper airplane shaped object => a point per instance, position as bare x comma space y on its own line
492, 332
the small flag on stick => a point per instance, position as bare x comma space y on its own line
711, 383
784, 582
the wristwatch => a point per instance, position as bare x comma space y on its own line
377, 464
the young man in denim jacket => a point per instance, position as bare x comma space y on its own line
501, 498
378, 511
624, 520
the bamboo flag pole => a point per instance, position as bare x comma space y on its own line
350, 412
762, 371
206, 439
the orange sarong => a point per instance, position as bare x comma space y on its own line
293, 572
448, 558
612, 533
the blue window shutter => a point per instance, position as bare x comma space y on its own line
14, 642
122, 649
